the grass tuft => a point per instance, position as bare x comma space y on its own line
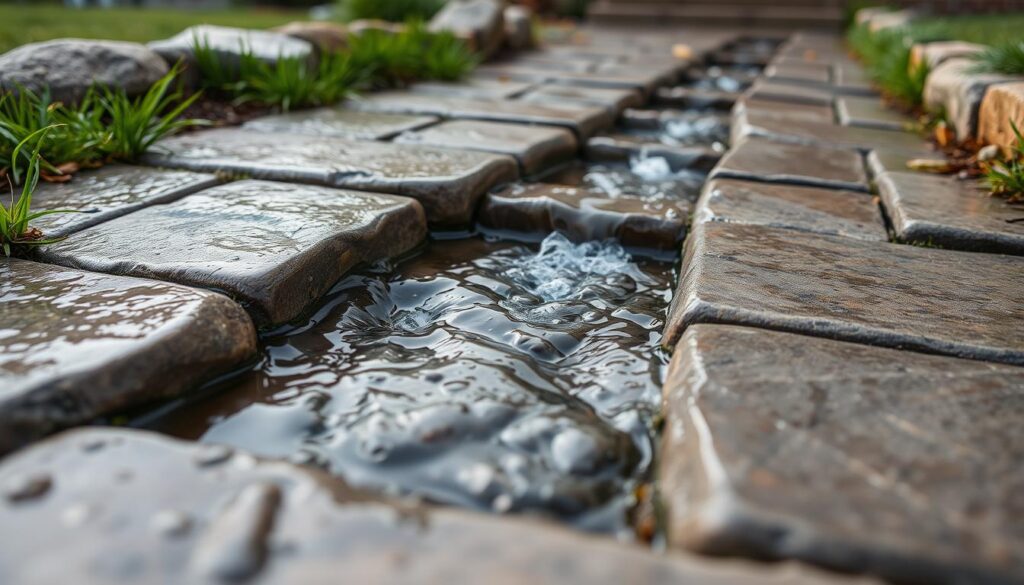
1006, 178
886, 55
391, 10
1007, 59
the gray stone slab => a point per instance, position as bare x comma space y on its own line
800, 73
952, 213
624, 147
782, 111
770, 90
615, 100
883, 160
481, 22
851, 79
583, 120
748, 123
956, 90
176, 512
447, 183
809, 209
474, 87
339, 123
761, 159
108, 192
937, 301
77, 345
229, 43
532, 211
869, 112
644, 81
535, 147
857, 458
275, 247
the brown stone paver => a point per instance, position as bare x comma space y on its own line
177, 512
339, 123
961, 304
762, 159
852, 457
810, 209
535, 147
108, 192
952, 213
447, 182
77, 345
276, 247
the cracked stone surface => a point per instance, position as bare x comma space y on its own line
339, 123
852, 457
809, 209
448, 183
962, 304
275, 247
583, 120
766, 160
534, 147
869, 112
951, 213
108, 192
534, 210
177, 512
77, 345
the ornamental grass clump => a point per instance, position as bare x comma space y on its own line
393, 60
1007, 59
1006, 178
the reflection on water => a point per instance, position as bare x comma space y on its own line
486, 375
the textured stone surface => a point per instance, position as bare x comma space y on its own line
339, 123
519, 28
940, 301
883, 160
753, 123
325, 36
76, 345
584, 120
851, 79
1002, 103
175, 512
761, 159
937, 53
275, 247
624, 147
769, 90
616, 100
869, 112
956, 90
810, 209
448, 183
951, 213
69, 67
687, 97
229, 43
638, 79
536, 209
852, 457
783, 111
473, 87
482, 22
108, 192
803, 73
535, 147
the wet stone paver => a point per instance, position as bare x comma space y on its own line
939, 301
448, 183
869, 112
753, 123
534, 210
761, 159
491, 376
112, 191
536, 148
952, 213
615, 100
120, 506
847, 456
473, 87
75, 345
275, 247
339, 123
811, 209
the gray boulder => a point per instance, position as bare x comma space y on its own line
68, 67
230, 43
481, 22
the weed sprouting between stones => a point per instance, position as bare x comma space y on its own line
1007, 59
1006, 177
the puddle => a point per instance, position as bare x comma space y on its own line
727, 79
481, 374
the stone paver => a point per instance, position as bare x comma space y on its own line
783, 111
810, 209
447, 182
852, 457
473, 87
175, 512
623, 147
1003, 103
884, 160
339, 123
769, 90
851, 79
761, 159
583, 120
956, 90
481, 22
535, 147
625, 78
951, 213
802, 73
108, 192
869, 112
616, 100
77, 345
275, 247
940, 301
537, 209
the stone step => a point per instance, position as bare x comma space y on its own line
937, 301
856, 458
177, 512
276, 247
78, 345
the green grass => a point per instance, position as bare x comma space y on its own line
886, 56
392, 10
1007, 59
985, 29
1007, 177
23, 23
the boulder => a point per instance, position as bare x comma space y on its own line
1002, 103
358, 27
935, 54
325, 36
480, 22
230, 43
954, 88
68, 67
518, 28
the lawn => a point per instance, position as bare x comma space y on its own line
986, 29
20, 24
